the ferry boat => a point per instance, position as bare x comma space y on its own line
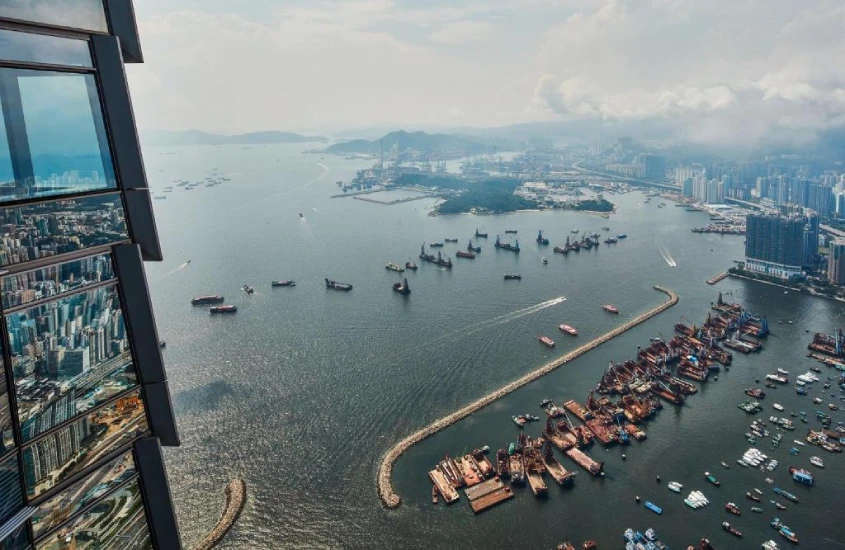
334, 285
513, 277
204, 300
732, 530
394, 267
676, 487
283, 283
801, 476
733, 509
816, 461
610, 309
402, 288
542, 240
465, 254
480, 235
777, 406
223, 309
548, 342
568, 330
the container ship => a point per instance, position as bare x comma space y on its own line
568, 329
394, 267
437, 260
548, 342
402, 288
610, 309
507, 246
283, 283
334, 285
223, 309
205, 300
541, 240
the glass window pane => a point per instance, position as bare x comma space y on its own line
7, 175
63, 453
41, 230
11, 494
19, 540
116, 522
7, 441
68, 356
79, 495
27, 47
53, 280
86, 15
63, 124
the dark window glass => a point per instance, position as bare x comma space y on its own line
79, 495
61, 454
11, 494
7, 175
41, 230
116, 522
27, 47
87, 15
7, 441
55, 133
18, 540
68, 356
53, 280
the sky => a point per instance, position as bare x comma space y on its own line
714, 69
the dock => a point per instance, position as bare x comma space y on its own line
716, 278
488, 494
585, 461
386, 492
235, 501
445, 488
557, 471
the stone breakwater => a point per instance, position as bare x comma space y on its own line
385, 485
235, 501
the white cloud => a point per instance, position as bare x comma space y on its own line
462, 32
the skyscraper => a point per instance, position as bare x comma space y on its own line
774, 245
836, 263
84, 403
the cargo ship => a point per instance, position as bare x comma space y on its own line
513, 277
801, 476
568, 329
283, 283
480, 235
471, 248
609, 308
223, 309
514, 231
205, 300
402, 288
542, 240
436, 245
732, 530
437, 260
548, 342
451, 240
465, 254
394, 267
334, 285
733, 509
507, 246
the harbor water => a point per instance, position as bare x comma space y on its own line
303, 390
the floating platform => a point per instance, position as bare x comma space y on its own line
585, 461
488, 494
445, 488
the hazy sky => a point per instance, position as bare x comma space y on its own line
758, 67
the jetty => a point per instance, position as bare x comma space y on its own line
388, 496
716, 278
235, 501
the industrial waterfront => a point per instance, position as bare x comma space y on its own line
305, 390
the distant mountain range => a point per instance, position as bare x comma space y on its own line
195, 137
436, 145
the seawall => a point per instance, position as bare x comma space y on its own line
235, 501
385, 484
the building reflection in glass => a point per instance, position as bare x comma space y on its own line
39, 284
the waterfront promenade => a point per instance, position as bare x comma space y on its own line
388, 496
235, 501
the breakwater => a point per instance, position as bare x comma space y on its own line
235, 501
716, 278
388, 496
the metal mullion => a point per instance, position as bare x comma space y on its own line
62, 296
33, 265
89, 506
29, 201
46, 28
16, 135
29, 65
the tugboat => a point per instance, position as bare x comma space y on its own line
548, 342
732, 530
434, 494
480, 235
334, 285
465, 254
542, 240
204, 300
402, 288
545, 261
610, 309
393, 267
568, 330
513, 277
507, 246
412, 265
223, 309
248, 289
473, 248
283, 283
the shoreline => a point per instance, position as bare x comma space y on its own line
235, 502
831, 298
386, 493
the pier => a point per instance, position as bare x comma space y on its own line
235, 501
388, 496
716, 278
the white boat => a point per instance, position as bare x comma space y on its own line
770, 545
675, 486
777, 406
816, 461
783, 372
799, 443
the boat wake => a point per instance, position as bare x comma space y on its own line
175, 270
505, 318
666, 256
